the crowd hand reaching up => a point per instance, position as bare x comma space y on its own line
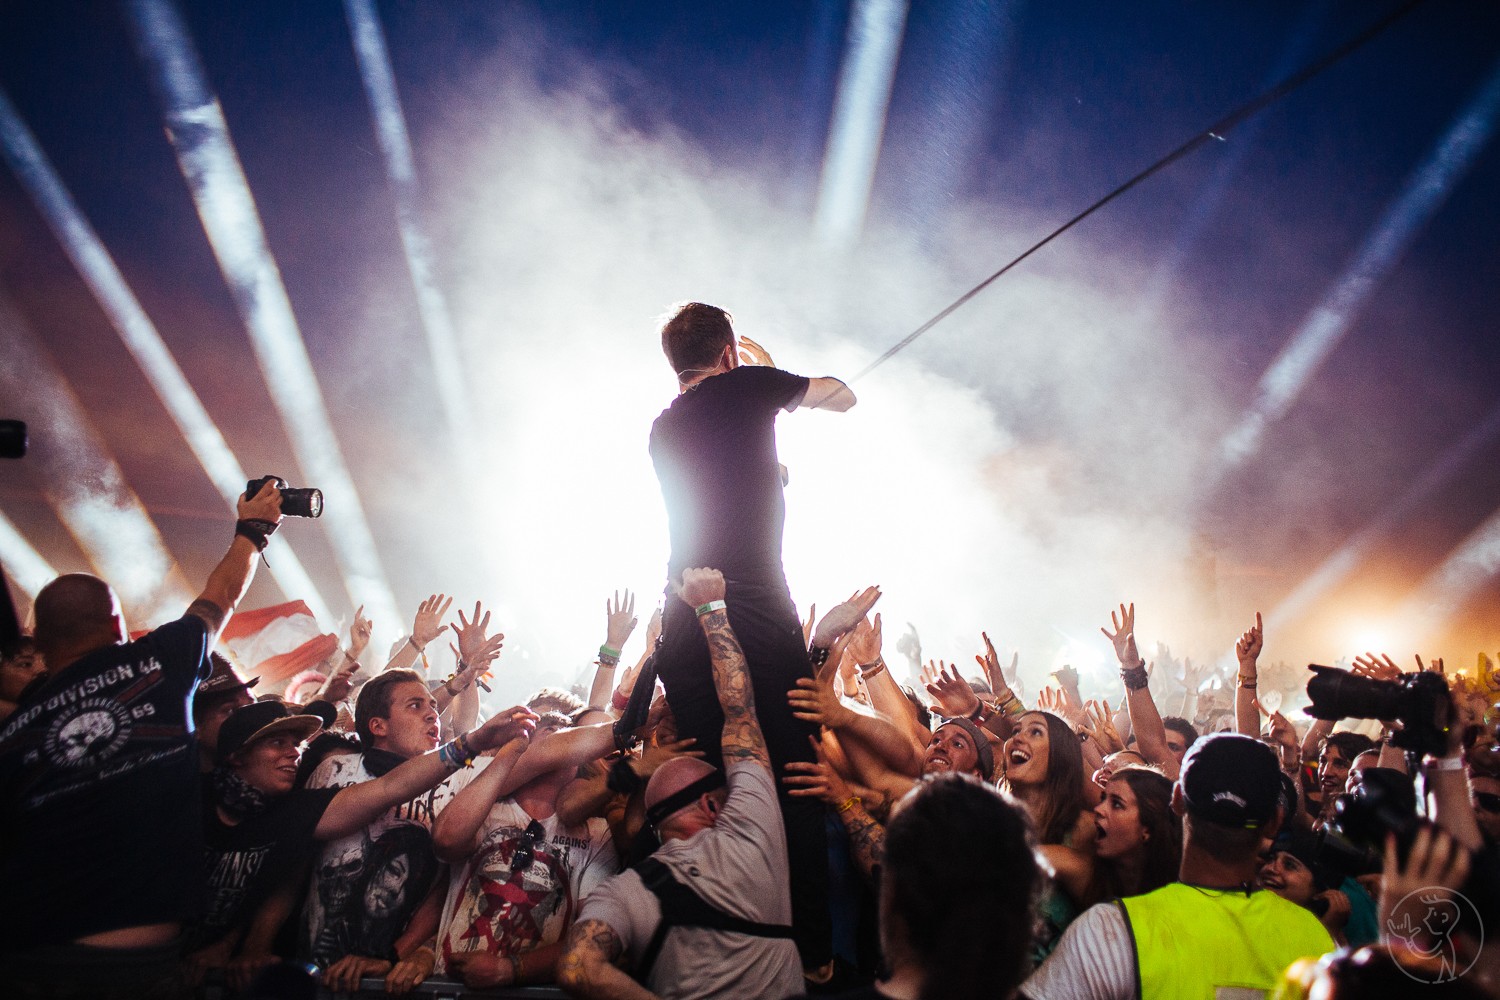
1247, 649
1193, 677
1378, 667
817, 779
832, 631
910, 646
340, 682
1098, 722
813, 700
990, 664
428, 624
620, 619
517, 723
864, 642
1284, 735
359, 633
752, 353
955, 697
1123, 637
1062, 703
807, 626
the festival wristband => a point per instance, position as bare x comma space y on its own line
1135, 677
257, 531
1443, 764
704, 609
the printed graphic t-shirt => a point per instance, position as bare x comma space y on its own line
366, 886
98, 761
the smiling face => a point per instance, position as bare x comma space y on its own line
1027, 751
951, 749
1289, 878
269, 764
1118, 820
411, 727
1333, 768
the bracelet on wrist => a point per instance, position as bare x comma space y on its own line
257, 531
850, 803
411, 641
710, 606
871, 669
818, 655
1135, 677
1455, 763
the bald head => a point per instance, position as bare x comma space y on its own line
76, 614
671, 778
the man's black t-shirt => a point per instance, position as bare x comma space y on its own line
243, 862
714, 450
99, 792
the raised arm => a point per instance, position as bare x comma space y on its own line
1247, 652
256, 520
357, 806
455, 830
427, 626
619, 622
741, 739
1145, 720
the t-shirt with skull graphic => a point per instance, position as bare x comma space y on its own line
98, 759
523, 887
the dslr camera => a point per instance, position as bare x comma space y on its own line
1420, 701
294, 502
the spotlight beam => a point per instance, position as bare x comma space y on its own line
873, 47
97, 267
23, 563
1448, 588
1323, 329
1338, 566
390, 128
83, 482
206, 155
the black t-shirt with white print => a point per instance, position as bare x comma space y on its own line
99, 792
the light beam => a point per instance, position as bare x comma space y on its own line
23, 563
873, 47
206, 155
97, 267
1322, 330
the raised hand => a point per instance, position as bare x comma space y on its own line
844, 617
620, 619
1379, 667
1247, 649
813, 700
817, 779
1098, 721
807, 626
1062, 703
1123, 636
475, 646
955, 698
1436, 666
864, 644
428, 624
359, 632
654, 755
699, 586
517, 723
1435, 862
909, 645
653, 629
340, 682
990, 664
752, 353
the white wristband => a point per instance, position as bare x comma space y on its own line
1443, 764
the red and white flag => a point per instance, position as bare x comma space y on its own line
278, 642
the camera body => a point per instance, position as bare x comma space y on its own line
1420, 701
294, 502
1383, 802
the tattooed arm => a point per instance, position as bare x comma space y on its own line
866, 838
587, 968
742, 738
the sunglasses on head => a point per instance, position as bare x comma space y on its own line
526, 850
1488, 801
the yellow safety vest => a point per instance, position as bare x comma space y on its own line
1209, 944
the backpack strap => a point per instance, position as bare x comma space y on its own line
681, 906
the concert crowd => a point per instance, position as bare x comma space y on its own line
817, 811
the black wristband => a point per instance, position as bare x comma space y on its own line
622, 778
1135, 678
818, 655
259, 532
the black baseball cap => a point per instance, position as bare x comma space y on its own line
1231, 780
264, 718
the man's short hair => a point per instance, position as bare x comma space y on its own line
374, 700
1181, 727
695, 336
72, 607
550, 699
1349, 744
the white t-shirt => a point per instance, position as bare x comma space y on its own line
1095, 960
740, 866
493, 907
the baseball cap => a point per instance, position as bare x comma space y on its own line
981, 746
224, 679
260, 720
1231, 780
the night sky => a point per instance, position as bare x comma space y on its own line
1101, 405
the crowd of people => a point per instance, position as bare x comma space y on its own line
758, 807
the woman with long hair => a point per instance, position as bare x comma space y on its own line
1138, 842
1044, 772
